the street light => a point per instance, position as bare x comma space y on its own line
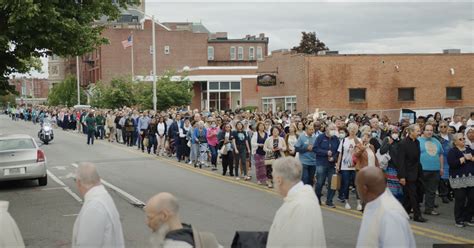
154, 62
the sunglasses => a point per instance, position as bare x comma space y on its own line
443, 126
461, 139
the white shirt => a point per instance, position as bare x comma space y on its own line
298, 222
385, 224
370, 157
470, 123
10, 235
457, 125
161, 128
349, 145
98, 223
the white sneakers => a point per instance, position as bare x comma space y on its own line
359, 206
348, 206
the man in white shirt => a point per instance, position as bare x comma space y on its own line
298, 222
98, 223
456, 123
385, 221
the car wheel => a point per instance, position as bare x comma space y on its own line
43, 181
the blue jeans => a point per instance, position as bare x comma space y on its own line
347, 176
308, 174
323, 173
213, 150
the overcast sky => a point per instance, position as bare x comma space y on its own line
348, 27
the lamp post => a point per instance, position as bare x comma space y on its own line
154, 62
78, 82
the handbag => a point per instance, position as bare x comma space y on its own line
336, 182
383, 159
146, 141
223, 150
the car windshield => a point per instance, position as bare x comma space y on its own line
15, 144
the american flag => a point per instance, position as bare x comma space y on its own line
128, 42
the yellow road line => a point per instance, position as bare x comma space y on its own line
421, 231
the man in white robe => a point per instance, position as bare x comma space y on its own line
385, 221
98, 223
298, 222
10, 235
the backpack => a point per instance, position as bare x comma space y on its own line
204, 239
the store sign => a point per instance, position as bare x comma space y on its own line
266, 80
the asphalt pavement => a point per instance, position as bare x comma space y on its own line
208, 200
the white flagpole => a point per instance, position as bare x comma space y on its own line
78, 82
133, 73
154, 62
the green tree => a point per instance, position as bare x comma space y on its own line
122, 92
7, 99
65, 93
173, 93
310, 44
33, 28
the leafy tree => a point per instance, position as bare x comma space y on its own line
30, 29
65, 93
173, 93
310, 44
5, 99
122, 92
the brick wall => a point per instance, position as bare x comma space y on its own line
186, 49
222, 50
330, 78
290, 80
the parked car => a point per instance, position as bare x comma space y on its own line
21, 158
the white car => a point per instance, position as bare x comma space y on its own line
21, 158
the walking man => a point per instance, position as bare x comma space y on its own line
98, 223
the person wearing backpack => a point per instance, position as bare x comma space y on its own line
162, 213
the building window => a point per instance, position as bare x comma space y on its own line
357, 95
454, 93
235, 85
224, 85
240, 55
290, 104
167, 50
210, 53
232, 53
406, 94
259, 53
267, 105
213, 85
251, 53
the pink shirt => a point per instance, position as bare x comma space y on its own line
212, 136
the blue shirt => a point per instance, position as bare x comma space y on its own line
322, 145
430, 150
301, 146
143, 122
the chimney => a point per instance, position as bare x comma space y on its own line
261, 36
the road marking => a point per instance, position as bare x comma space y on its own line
54, 188
59, 167
66, 188
421, 231
132, 199
70, 215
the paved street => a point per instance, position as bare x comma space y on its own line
45, 215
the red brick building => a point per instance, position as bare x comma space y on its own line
30, 87
178, 45
382, 83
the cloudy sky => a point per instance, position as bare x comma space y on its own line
345, 26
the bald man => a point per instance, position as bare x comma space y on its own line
385, 221
162, 212
98, 223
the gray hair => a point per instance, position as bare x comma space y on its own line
170, 202
330, 126
87, 174
289, 168
457, 136
353, 127
412, 128
364, 129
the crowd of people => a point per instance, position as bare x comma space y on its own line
432, 156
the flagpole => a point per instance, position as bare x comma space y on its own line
133, 72
154, 62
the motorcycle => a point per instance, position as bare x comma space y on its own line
46, 134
